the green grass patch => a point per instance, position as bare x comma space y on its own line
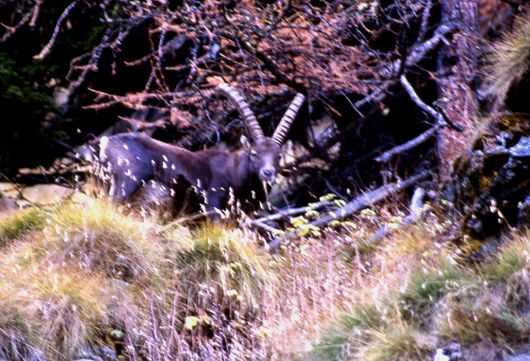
347, 333
426, 286
16, 224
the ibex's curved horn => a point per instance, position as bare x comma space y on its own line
288, 118
244, 110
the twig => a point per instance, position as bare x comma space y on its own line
416, 99
31, 16
269, 65
134, 101
425, 17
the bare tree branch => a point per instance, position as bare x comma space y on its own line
46, 50
420, 139
440, 122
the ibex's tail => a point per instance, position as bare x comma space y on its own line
89, 151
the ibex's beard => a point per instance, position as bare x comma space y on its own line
266, 186
267, 181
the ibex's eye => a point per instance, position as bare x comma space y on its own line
279, 158
253, 153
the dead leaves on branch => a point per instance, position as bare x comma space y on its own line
178, 55
321, 50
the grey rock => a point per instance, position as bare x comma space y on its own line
452, 352
521, 149
520, 357
108, 353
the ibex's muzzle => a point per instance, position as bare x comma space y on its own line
267, 174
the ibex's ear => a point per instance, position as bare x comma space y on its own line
245, 142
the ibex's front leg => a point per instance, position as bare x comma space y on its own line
215, 201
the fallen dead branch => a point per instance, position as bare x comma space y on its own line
262, 222
358, 204
292, 212
369, 198
417, 208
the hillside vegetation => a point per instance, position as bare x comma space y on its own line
83, 280
430, 94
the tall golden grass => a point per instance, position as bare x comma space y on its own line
82, 276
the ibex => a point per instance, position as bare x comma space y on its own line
129, 161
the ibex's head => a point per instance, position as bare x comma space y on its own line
264, 158
265, 152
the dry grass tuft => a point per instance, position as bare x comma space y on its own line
508, 60
211, 303
16, 334
492, 303
63, 278
226, 259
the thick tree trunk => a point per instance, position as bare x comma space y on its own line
457, 71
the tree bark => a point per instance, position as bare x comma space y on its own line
457, 69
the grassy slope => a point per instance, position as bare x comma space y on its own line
81, 276
430, 298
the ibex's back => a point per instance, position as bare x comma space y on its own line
129, 161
